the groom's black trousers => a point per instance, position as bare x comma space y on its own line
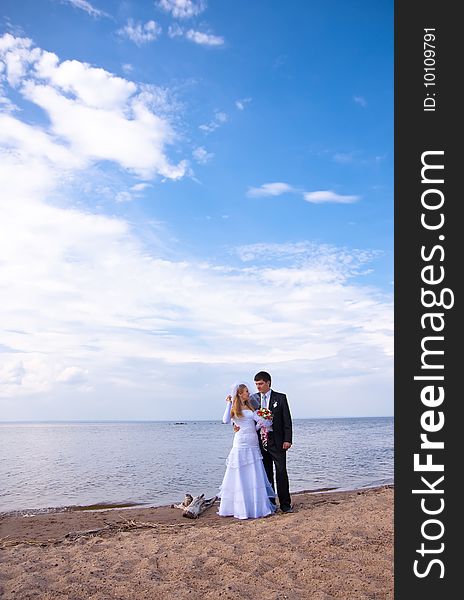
278, 457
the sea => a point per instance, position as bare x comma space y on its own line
78, 465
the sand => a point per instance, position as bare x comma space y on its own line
335, 545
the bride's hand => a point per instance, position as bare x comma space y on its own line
229, 398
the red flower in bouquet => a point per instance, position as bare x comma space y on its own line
264, 413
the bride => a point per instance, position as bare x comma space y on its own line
245, 491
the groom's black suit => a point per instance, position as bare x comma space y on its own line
274, 454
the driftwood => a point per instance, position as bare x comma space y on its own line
185, 502
109, 528
193, 507
76, 534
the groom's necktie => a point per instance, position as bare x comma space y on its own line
263, 401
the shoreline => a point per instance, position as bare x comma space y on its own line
56, 523
103, 506
335, 545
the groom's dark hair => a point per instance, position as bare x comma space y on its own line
263, 376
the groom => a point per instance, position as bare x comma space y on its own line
279, 436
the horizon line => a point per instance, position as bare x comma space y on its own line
178, 420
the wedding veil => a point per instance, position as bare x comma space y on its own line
235, 387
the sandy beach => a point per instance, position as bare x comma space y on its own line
335, 545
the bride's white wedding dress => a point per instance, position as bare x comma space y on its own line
245, 491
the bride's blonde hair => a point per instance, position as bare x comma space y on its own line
236, 410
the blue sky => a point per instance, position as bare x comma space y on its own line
194, 191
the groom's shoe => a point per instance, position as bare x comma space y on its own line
287, 509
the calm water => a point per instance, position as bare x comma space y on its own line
66, 464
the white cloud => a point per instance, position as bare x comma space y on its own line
137, 144
219, 119
90, 308
94, 115
91, 86
317, 197
201, 155
308, 251
198, 37
16, 55
325, 196
270, 189
240, 104
140, 33
133, 193
360, 100
101, 301
183, 9
204, 39
12, 373
87, 7
344, 157
95, 319
139, 187
175, 31
159, 100
6, 106
35, 143
328, 263
71, 375
357, 157
124, 196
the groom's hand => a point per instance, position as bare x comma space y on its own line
286, 445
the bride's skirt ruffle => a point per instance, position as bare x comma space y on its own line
239, 457
245, 491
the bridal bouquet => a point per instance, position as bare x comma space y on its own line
264, 413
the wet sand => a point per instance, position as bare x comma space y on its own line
334, 545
